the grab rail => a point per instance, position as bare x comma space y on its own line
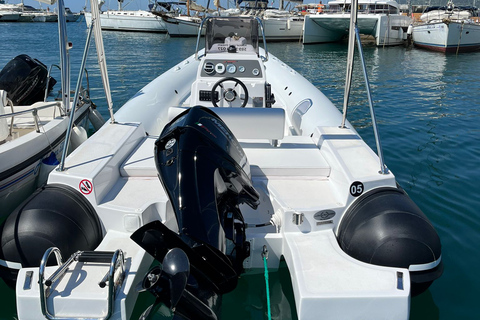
264, 59
34, 112
18, 113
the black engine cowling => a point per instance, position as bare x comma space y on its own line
385, 227
204, 170
54, 216
25, 80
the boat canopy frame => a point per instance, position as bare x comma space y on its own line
354, 34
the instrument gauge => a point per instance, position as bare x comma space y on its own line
255, 72
231, 68
220, 68
241, 69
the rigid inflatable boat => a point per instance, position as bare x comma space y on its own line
227, 162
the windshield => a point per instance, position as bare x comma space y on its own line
232, 34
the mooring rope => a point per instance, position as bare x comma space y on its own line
265, 257
460, 38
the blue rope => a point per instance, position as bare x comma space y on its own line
266, 285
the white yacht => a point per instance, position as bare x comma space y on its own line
8, 12
380, 19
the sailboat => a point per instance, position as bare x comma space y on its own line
180, 24
8, 12
127, 20
447, 29
279, 25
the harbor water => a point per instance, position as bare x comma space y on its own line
428, 112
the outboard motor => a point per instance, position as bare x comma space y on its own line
25, 80
205, 172
386, 228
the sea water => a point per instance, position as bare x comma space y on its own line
428, 112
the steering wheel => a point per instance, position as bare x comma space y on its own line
229, 94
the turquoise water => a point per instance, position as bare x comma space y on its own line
428, 112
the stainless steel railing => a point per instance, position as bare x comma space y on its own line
354, 34
33, 111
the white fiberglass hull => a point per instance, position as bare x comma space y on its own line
451, 37
283, 28
182, 26
7, 16
275, 28
141, 21
386, 29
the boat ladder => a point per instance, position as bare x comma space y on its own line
113, 278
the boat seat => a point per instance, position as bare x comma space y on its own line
141, 162
254, 128
296, 156
248, 123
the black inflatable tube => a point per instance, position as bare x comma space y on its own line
386, 228
54, 216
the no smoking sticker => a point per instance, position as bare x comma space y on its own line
85, 186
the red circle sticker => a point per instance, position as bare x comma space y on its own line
85, 186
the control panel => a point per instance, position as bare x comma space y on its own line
231, 68
205, 95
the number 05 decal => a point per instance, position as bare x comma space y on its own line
356, 188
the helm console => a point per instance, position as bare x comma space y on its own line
231, 70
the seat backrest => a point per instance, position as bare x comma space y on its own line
249, 123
